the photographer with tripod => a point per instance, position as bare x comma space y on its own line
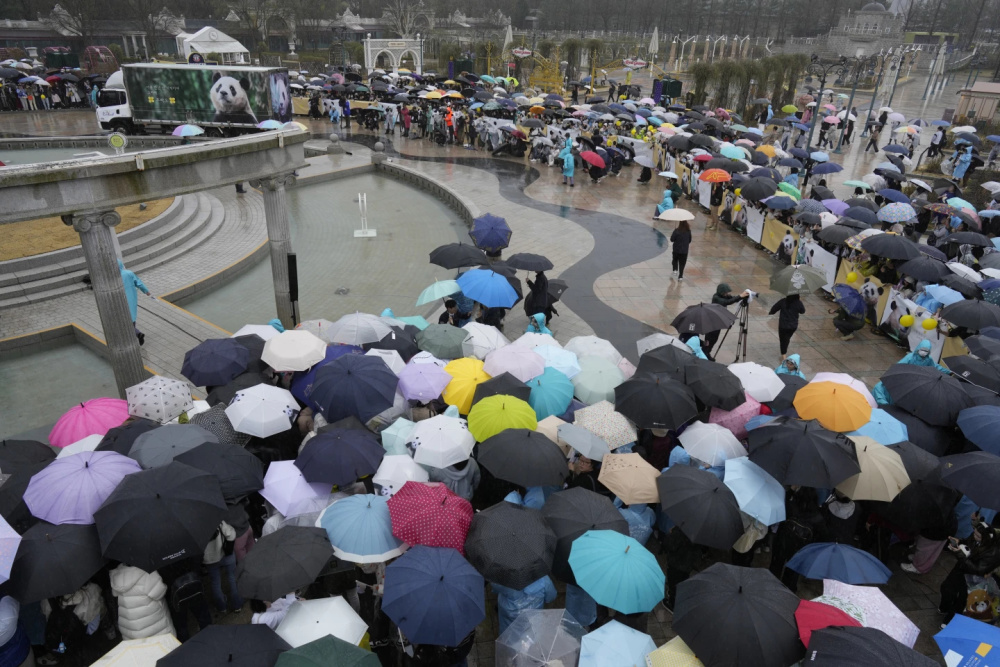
724, 297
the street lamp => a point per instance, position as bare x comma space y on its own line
859, 66
892, 60
821, 70
899, 70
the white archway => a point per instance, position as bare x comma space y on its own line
395, 49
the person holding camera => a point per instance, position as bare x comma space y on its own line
723, 297
788, 309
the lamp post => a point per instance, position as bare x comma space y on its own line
859, 66
821, 70
908, 51
420, 65
892, 60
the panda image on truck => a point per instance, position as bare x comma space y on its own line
229, 97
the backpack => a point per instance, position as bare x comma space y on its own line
185, 590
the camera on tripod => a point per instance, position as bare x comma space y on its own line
748, 296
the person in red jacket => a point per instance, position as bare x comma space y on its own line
450, 123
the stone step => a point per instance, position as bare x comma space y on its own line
208, 219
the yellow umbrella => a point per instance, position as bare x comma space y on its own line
498, 413
454, 93
434, 95
630, 478
132, 652
466, 373
537, 100
403, 70
882, 475
836, 406
766, 149
450, 82
675, 653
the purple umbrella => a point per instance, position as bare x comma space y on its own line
422, 382
70, 490
835, 206
9, 541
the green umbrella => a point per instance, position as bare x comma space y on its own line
858, 184
799, 279
596, 380
445, 341
788, 188
439, 290
326, 651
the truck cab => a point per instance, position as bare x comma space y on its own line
113, 111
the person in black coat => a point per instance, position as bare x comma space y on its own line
723, 297
539, 300
681, 240
788, 310
979, 555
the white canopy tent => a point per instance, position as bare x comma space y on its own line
212, 40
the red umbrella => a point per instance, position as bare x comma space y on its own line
590, 157
812, 616
715, 176
53, 78
702, 157
430, 514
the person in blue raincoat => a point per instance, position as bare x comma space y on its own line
919, 357
536, 324
666, 204
511, 602
962, 164
133, 284
790, 366
695, 344
569, 162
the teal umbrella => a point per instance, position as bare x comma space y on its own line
395, 437
327, 651
617, 571
360, 529
439, 290
415, 320
551, 393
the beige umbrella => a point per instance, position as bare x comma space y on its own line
138, 652
630, 478
675, 653
882, 474
550, 428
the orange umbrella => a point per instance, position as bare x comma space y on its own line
836, 406
536, 109
715, 176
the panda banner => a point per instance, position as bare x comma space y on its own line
755, 223
208, 96
825, 261
898, 310
779, 238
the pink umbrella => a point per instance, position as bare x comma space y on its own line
736, 419
521, 362
722, 113
96, 416
422, 382
878, 611
830, 107
831, 120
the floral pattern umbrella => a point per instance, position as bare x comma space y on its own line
735, 420
602, 420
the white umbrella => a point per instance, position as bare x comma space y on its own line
285, 487
441, 441
964, 271
319, 328
592, 346
265, 331
585, 442
358, 329
427, 358
158, 399
644, 345
262, 410
390, 357
484, 339
533, 340
992, 186
309, 620
711, 443
923, 184
395, 471
845, 379
293, 351
138, 652
521, 362
562, 360
597, 380
762, 383
88, 444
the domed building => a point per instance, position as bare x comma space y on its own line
871, 29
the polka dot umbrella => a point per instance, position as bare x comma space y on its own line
431, 515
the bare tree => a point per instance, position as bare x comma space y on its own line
76, 18
256, 16
402, 16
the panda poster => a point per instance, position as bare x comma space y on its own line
825, 261
705, 194
207, 96
755, 223
896, 308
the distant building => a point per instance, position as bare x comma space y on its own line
979, 103
866, 31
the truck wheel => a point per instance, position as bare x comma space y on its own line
123, 126
214, 132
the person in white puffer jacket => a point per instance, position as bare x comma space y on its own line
142, 609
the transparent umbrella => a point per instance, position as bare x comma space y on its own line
540, 637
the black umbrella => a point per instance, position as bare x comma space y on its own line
701, 140
225, 393
340, 457
458, 255
973, 315
919, 463
934, 439
12, 507
53, 561
570, 514
216, 421
749, 607
399, 341
783, 401
655, 401
823, 192
862, 214
703, 318
10, 73
890, 246
283, 561
983, 347
160, 516
121, 438
975, 371
239, 472
529, 262
510, 545
925, 268
969, 238
504, 384
557, 288
854, 224
976, 474
255, 344
808, 218
768, 173
803, 453
24, 451
679, 143
246, 645
667, 359
714, 384
836, 234
732, 166
926, 392
840, 646
215, 362
354, 384
523, 457
922, 504
863, 202
701, 506
756, 189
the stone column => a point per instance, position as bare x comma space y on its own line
280, 240
97, 238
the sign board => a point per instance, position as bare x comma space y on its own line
118, 141
396, 45
196, 59
521, 52
638, 62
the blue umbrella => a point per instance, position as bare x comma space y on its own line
849, 299
894, 196
434, 596
615, 645
800, 153
801, 126
810, 206
989, 213
819, 156
895, 148
994, 138
490, 233
757, 492
884, 428
980, 424
302, 381
861, 214
488, 288
653, 120
353, 384
969, 642
829, 560
779, 203
940, 123
214, 362
360, 529
827, 168
340, 456
551, 393
617, 571
477, 105
645, 113
758, 421
945, 295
